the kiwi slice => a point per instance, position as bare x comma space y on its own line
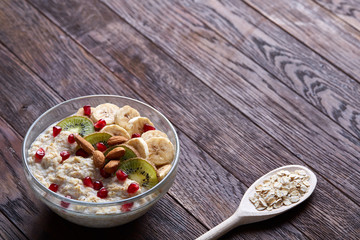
98, 137
141, 171
77, 124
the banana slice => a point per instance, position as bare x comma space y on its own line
153, 133
161, 150
124, 114
115, 130
80, 112
105, 111
163, 171
136, 125
140, 146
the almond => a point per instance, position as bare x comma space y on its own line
111, 166
99, 159
84, 144
116, 140
116, 153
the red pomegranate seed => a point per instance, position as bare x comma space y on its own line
102, 193
88, 182
104, 174
126, 207
64, 155
71, 138
56, 130
135, 135
87, 110
100, 124
54, 187
98, 185
81, 152
101, 147
65, 204
133, 187
121, 175
40, 153
148, 127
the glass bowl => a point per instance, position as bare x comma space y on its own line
104, 214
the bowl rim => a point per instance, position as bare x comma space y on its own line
101, 204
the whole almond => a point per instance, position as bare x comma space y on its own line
98, 158
116, 153
111, 166
116, 140
84, 144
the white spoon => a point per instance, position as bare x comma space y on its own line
247, 213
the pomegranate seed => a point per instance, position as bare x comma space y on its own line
133, 187
54, 187
40, 153
126, 207
121, 175
100, 124
71, 138
148, 127
65, 204
81, 152
88, 182
56, 130
135, 135
101, 147
104, 174
87, 110
98, 185
102, 193
64, 155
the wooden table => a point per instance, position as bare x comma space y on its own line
250, 86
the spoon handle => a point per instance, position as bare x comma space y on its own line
222, 228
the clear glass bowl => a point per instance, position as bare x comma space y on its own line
88, 213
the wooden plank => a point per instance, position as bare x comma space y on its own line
298, 67
106, 40
324, 33
348, 10
315, 139
8, 230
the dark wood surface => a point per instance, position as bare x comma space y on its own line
250, 86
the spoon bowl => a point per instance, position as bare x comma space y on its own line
247, 213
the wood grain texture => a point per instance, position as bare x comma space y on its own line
310, 136
8, 231
109, 38
347, 10
312, 77
313, 25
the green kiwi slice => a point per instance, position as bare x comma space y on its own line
98, 137
77, 124
141, 171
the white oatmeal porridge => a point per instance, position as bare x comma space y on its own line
101, 154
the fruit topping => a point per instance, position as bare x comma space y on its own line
153, 133
163, 171
121, 176
135, 135
64, 155
66, 204
133, 188
98, 137
115, 130
56, 130
77, 124
40, 153
102, 193
161, 150
106, 112
81, 152
140, 145
100, 124
101, 147
136, 125
88, 182
104, 174
141, 171
98, 185
124, 114
148, 127
87, 110
126, 207
54, 187
71, 138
